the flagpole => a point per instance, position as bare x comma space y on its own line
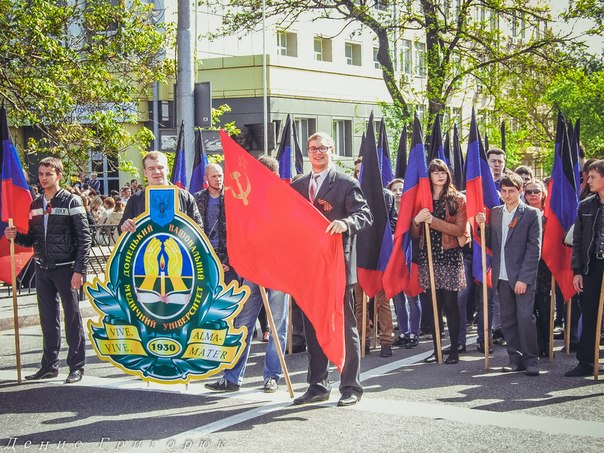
364, 326
290, 325
271, 322
552, 304
598, 333
485, 303
567, 326
375, 323
13, 272
439, 353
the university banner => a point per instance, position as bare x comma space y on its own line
166, 313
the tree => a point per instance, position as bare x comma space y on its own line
464, 43
76, 70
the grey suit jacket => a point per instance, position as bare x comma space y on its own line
340, 198
522, 247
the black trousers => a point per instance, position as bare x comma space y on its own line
49, 284
589, 301
318, 364
448, 300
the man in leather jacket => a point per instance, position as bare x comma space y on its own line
60, 236
588, 266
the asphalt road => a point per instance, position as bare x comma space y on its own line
407, 406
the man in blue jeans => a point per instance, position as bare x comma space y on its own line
232, 379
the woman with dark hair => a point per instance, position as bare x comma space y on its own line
447, 223
535, 194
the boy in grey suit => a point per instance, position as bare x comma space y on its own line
514, 236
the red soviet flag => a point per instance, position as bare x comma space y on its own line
277, 239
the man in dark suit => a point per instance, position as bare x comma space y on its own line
514, 236
339, 198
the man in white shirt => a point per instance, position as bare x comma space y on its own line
514, 236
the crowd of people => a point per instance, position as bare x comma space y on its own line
518, 301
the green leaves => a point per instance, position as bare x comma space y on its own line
72, 69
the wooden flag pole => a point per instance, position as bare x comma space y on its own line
552, 305
290, 325
567, 325
485, 303
364, 326
13, 272
439, 353
275, 337
375, 323
598, 333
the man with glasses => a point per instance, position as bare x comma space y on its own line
340, 199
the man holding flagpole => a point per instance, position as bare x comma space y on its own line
340, 199
60, 235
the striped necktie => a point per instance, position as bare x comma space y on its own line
313, 187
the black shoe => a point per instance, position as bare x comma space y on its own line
431, 359
312, 397
401, 340
296, 349
582, 369
512, 368
42, 374
460, 348
74, 376
386, 351
222, 385
412, 342
349, 399
532, 370
452, 359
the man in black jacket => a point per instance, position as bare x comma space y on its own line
60, 236
588, 266
155, 169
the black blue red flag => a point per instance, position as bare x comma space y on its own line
179, 169
383, 151
15, 201
401, 273
289, 150
374, 244
561, 212
401, 157
200, 162
481, 194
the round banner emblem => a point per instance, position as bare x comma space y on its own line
166, 314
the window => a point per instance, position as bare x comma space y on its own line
287, 44
322, 49
353, 53
342, 135
406, 56
305, 127
421, 112
420, 59
514, 26
376, 63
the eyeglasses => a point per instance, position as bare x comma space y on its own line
320, 149
532, 191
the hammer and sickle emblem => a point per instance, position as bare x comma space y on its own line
242, 193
